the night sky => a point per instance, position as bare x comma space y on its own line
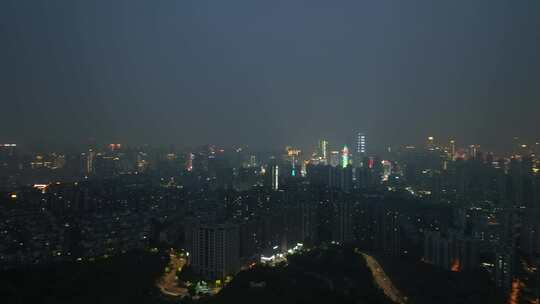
269, 73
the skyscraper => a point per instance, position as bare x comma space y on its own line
342, 224
452, 149
214, 249
293, 157
345, 157
361, 149
275, 177
89, 162
430, 145
323, 151
252, 161
361, 143
334, 158
473, 151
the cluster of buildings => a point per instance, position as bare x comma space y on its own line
459, 209
80, 221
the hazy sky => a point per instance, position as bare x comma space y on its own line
268, 73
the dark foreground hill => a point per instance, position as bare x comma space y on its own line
127, 278
427, 284
323, 275
318, 276
338, 275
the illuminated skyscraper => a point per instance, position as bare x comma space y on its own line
275, 177
189, 161
430, 143
345, 157
473, 151
361, 143
293, 156
361, 149
334, 158
323, 151
90, 161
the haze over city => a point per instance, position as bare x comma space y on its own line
267, 74
284, 151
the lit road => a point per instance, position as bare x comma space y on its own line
513, 298
383, 281
168, 283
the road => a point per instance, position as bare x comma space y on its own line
168, 283
515, 292
383, 281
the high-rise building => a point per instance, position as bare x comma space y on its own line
452, 149
252, 161
293, 157
505, 268
345, 157
308, 221
474, 151
360, 150
388, 238
339, 178
106, 165
361, 143
189, 161
214, 249
430, 143
454, 251
323, 151
275, 177
334, 158
88, 162
342, 228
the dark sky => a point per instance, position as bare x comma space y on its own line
269, 73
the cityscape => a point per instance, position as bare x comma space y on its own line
284, 151
454, 207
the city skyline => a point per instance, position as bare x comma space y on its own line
268, 75
360, 144
284, 151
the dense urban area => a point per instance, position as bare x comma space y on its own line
265, 152
436, 223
